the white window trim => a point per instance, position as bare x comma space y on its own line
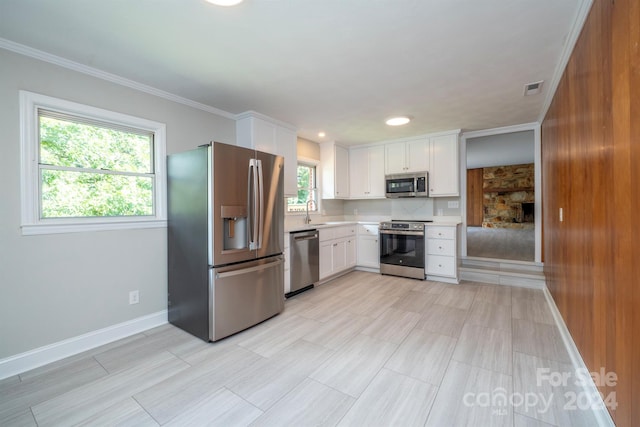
316, 163
31, 223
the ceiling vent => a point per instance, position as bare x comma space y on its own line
533, 88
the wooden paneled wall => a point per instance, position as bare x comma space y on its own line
475, 197
591, 170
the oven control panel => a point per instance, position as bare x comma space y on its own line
402, 226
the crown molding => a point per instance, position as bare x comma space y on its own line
113, 78
501, 130
255, 114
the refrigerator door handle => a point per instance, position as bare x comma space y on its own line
222, 275
253, 216
261, 199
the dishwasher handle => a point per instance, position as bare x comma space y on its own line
306, 237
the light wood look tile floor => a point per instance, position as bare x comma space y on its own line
362, 350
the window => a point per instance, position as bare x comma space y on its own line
85, 168
306, 190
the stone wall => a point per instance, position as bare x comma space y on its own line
506, 188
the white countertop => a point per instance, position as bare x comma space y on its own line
328, 224
320, 225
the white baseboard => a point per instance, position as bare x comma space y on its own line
31, 359
602, 415
368, 269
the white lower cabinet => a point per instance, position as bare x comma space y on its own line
442, 252
326, 259
337, 250
368, 246
352, 252
339, 255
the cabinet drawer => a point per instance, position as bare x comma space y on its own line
441, 265
441, 247
325, 234
367, 229
344, 231
441, 232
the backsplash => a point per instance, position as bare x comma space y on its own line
376, 210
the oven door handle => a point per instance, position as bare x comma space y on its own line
402, 232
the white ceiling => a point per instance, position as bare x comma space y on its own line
341, 66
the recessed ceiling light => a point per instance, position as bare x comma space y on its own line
398, 121
224, 2
322, 134
533, 88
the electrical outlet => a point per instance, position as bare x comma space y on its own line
561, 215
134, 297
355, 211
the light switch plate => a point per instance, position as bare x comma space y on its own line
453, 204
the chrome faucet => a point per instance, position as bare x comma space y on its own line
307, 218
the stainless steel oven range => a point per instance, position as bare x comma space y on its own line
402, 248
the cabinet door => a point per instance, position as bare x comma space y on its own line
394, 158
264, 136
286, 142
417, 153
351, 252
342, 172
339, 255
376, 171
326, 254
445, 166
358, 173
368, 251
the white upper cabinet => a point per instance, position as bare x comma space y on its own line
254, 130
445, 170
334, 162
287, 143
366, 172
395, 158
407, 156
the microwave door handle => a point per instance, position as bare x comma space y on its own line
260, 179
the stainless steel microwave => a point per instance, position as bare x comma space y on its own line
407, 185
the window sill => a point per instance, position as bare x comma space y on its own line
303, 213
36, 229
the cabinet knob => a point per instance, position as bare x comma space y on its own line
440, 265
439, 247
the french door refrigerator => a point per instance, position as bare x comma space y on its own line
225, 239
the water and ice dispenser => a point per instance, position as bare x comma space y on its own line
235, 227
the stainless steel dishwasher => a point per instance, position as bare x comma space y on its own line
305, 261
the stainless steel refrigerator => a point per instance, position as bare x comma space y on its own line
225, 237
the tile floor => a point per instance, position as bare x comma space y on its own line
362, 350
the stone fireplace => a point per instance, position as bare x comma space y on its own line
509, 196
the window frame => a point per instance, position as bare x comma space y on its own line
303, 161
31, 221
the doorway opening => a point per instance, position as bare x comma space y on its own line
500, 199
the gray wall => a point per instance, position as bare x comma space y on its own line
53, 287
497, 150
